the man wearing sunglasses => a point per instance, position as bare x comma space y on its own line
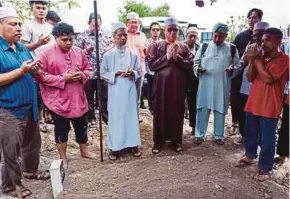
155, 30
192, 81
171, 61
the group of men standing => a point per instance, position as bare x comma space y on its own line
252, 74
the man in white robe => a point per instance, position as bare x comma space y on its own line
214, 68
121, 69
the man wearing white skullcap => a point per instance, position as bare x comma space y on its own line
170, 60
138, 43
215, 64
258, 31
18, 106
121, 69
192, 81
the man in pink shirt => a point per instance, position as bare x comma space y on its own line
64, 72
137, 42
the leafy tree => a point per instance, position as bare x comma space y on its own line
142, 9
59, 6
236, 25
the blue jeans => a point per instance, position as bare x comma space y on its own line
202, 118
261, 130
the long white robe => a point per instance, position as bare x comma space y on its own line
214, 84
123, 127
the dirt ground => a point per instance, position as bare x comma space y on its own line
205, 171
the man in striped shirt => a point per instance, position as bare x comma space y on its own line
18, 107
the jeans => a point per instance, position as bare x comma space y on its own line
261, 131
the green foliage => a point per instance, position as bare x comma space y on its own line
236, 25
60, 6
142, 9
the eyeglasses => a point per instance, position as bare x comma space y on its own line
155, 29
172, 30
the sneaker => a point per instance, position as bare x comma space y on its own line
239, 141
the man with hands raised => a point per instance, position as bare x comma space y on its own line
171, 61
64, 72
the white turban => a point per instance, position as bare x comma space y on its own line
7, 12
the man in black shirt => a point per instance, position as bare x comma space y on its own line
241, 41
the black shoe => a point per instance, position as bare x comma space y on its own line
197, 141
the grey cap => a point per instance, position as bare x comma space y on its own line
170, 21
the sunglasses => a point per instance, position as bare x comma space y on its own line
172, 30
155, 29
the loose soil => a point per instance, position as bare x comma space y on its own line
205, 171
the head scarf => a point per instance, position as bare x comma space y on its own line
221, 27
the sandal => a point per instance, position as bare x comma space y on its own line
176, 147
156, 150
244, 162
38, 175
22, 192
136, 152
197, 140
262, 175
113, 155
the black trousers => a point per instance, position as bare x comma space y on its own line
149, 90
235, 97
242, 116
191, 102
190, 95
104, 100
92, 97
283, 140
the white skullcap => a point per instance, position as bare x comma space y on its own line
192, 29
132, 15
118, 25
261, 26
7, 12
